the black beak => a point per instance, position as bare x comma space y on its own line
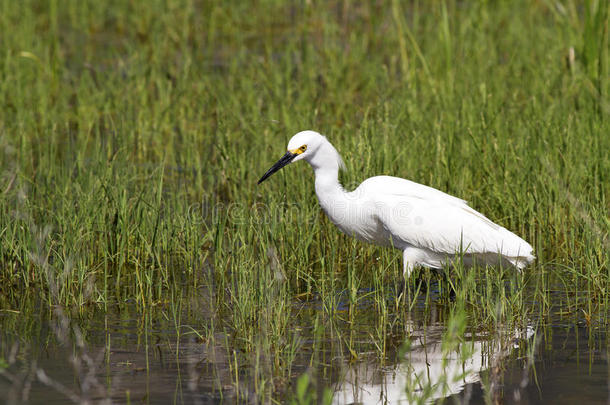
284, 160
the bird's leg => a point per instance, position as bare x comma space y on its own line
407, 269
410, 258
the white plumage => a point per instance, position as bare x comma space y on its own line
432, 228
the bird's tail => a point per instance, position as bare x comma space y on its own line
516, 250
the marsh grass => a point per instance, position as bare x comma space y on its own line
132, 136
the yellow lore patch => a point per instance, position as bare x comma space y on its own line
299, 150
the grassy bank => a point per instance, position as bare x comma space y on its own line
132, 136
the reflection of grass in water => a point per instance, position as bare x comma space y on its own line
132, 138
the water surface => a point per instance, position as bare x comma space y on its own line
122, 358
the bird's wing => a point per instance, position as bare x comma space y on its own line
398, 186
425, 217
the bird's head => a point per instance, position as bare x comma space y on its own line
303, 145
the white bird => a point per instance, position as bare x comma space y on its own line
431, 228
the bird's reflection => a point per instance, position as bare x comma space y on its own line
432, 368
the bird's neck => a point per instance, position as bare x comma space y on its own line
325, 164
327, 182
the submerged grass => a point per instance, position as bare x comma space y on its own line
132, 136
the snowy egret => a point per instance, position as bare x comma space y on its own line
430, 227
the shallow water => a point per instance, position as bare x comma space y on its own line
122, 359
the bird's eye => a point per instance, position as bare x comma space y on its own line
303, 148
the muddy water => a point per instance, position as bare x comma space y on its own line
117, 358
